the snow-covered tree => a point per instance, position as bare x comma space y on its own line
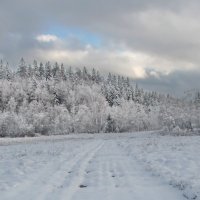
22, 69
58, 100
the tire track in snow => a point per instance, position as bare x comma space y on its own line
33, 186
77, 180
64, 175
118, 176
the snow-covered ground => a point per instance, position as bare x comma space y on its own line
140, 166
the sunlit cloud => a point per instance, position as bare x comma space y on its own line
139, 72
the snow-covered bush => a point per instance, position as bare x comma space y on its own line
13, 125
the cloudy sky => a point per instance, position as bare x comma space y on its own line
156, 42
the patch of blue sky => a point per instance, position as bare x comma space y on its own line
82, 35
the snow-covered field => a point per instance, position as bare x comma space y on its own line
139, 166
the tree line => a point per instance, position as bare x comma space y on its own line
53, 99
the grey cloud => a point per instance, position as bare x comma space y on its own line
111, 18
176, 83
119, 21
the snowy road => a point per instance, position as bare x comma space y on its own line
87, 168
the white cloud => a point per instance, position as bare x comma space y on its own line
65, 56
47, 38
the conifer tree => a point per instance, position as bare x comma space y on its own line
22, 69
41, 71
48, 73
